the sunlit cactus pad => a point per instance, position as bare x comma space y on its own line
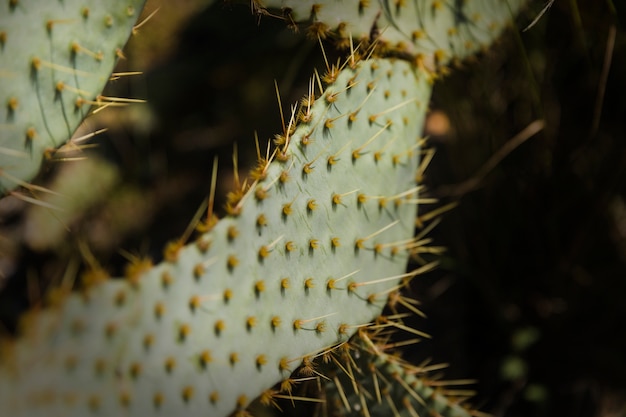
308, 255
55, 58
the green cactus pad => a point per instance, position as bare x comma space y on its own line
433, 31
373, 382
55, 58
309, 255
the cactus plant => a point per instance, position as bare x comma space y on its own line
56, 57
308, 255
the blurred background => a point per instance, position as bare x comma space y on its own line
531, 296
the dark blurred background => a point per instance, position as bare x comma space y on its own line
530, 298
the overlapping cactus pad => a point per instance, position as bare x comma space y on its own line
55, 58
377, 383
309, 255
432, 31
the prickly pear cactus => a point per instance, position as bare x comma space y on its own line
55, 58
312, 247
308, 255
434, 32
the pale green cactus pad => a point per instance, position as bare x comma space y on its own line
432, 31
308, 256
55, 58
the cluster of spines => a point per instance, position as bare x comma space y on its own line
366, 377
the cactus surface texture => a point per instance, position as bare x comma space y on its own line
55, 58
308, 255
